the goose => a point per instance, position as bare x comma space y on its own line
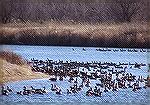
61, 78
98, 93
4, 91
105, 90
53, 79
44, 90
83, 49
129, 85
76, 81
95, 89
114, 88
20, 93
25, 91
53, 88
90, 92
10, 90
68, 91
79, 88
58, 91
38, 91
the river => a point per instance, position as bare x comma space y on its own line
89, 54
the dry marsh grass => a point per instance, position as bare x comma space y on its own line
12, 58
77, 34
14, 68
12, 72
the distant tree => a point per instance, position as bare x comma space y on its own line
21, 12
93, 14
6, 9
124, 10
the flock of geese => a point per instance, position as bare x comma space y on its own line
107, 76
117, 50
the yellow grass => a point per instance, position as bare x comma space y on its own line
14, 68
98, 31
78, 28
12, 72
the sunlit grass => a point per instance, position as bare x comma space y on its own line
102, 31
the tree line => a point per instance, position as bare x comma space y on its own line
91, 11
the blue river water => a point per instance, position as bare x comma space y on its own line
123, 97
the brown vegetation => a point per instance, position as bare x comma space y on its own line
13, 68
101, 23
12, 58
80, 34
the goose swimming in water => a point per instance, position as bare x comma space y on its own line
4, 91
58, 91
68, 91
90, 92
53, 79
44, 90
105, 90
20, 93
53, 88
10, 90
26, 91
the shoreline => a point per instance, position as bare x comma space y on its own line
24, 79
15, 81
12, 73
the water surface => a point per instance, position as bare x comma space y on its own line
123, 97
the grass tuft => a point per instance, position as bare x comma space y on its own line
12, 58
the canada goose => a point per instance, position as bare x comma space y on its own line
76, 81
44, 90
53, 88
58, 91
61, 78
83, 49
68, 91
95, 89
20, 93
105, 90
90, 92
70, 79
98, 93
114, 89
53, 79
26, 92
10, 90
38, 91
4, 91
79, 88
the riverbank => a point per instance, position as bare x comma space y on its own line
127, 35
12, 72
16, 71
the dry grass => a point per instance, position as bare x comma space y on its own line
12, 58
66, 32
12, 72
14, 68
